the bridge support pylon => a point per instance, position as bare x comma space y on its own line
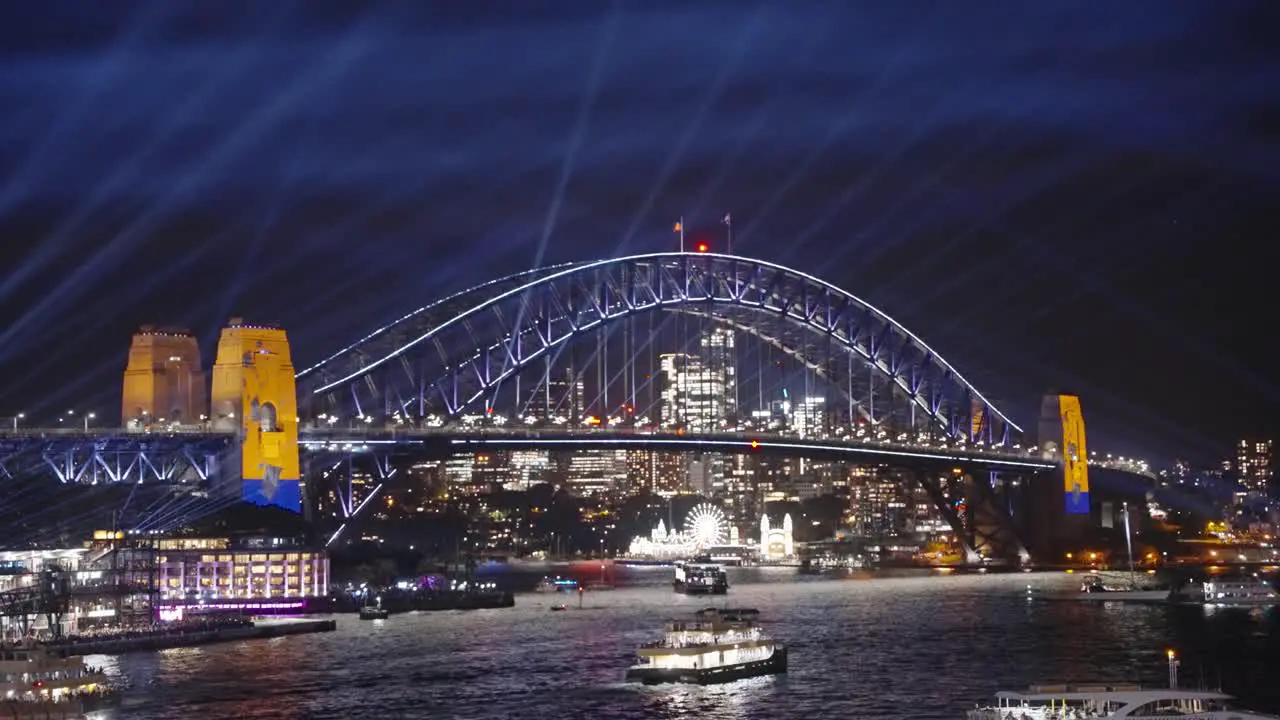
978, 514
254, 394
1061, 507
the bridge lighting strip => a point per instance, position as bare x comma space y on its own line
739, 444
335, 535
572, 268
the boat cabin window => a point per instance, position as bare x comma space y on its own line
1177, 707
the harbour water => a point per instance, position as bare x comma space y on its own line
885, 648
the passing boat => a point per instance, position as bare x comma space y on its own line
374, 612
37, 682
557, 584
717, 646
700, 578
1058, 702
1249, 591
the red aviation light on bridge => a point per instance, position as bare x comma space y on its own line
702, 247
755, 444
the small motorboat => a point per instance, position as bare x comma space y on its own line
558, 608
374, 612
371, 612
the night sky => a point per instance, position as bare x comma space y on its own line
1054, 195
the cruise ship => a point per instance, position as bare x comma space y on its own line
718, 646
700, 578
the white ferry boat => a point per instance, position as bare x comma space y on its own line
718, 646
696, 578
1069, 702
32, 674
1232, 592
1066, 702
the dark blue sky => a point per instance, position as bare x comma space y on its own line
1050, 194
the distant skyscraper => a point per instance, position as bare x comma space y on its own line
809, 418
164, 378
660, 472
560, 396
1253, 462
597, 472
699, 391
720, 357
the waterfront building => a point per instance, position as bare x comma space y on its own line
221, 569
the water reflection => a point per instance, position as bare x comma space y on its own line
858, 648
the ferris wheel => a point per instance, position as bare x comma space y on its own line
705, 525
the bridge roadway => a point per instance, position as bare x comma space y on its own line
444, 441
185, 454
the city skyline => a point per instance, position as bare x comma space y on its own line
1098, 239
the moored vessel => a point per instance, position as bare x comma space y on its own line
1098, 587
700, 578
718, 646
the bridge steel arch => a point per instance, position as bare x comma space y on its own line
459, 355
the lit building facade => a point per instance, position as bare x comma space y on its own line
660, 472
597, 472
776, 542
699, 392
195, 570
1253, 463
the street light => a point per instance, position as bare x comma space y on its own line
16, 418
87, 418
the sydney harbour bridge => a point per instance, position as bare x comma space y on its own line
674, 352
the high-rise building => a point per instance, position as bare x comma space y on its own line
720, 358
809, 418
877, 508
597, 472
1253, 463
164, 379
558, 396
699, 392
660, 472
